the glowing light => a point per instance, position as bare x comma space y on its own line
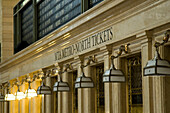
19, 95
30, 93
9, 97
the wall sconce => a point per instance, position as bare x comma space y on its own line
43, 89
61, 86
8, 96
83, 81
158, 66
113, 74
2, 97
19, 95
30, 92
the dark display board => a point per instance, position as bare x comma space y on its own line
54, 13
94, 2
27, 24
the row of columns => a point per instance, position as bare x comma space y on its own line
155, 91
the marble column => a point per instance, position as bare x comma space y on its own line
80, 93
107, 86
35, 101
119, 91
67, 96
60, 102
48, 101
6, 104
89, 100
161, 84
147, 82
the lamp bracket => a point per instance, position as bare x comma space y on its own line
165, 40
90, 59
68, 66
122, 48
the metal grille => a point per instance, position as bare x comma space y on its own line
75, 94
135, 85
100, 89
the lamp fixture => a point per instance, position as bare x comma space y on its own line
8, 96
113, 74
61, 86
43, 89
30, 92
158, 66
2, 97
83, 81
19, 95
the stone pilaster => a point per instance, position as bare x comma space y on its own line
89, 100
35, 101
80, 93
67, 96
147, 82
6, 28
48, 98
118, 93
161, 84
24, 102
6, 104
107, 86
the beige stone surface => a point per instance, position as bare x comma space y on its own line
6, 28
130, 23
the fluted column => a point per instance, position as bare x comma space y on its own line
24, 102
80, 94
67, 96
161, 84
147, 82
35, 101
107, 86
48, 101
14, 103
60, 102
89, 100
6, 104
118, 92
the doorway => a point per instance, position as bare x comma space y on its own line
134, 84
100, 89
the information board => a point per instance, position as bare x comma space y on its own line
27, 24
54, 13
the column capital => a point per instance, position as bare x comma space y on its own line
147, 34
107, 50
